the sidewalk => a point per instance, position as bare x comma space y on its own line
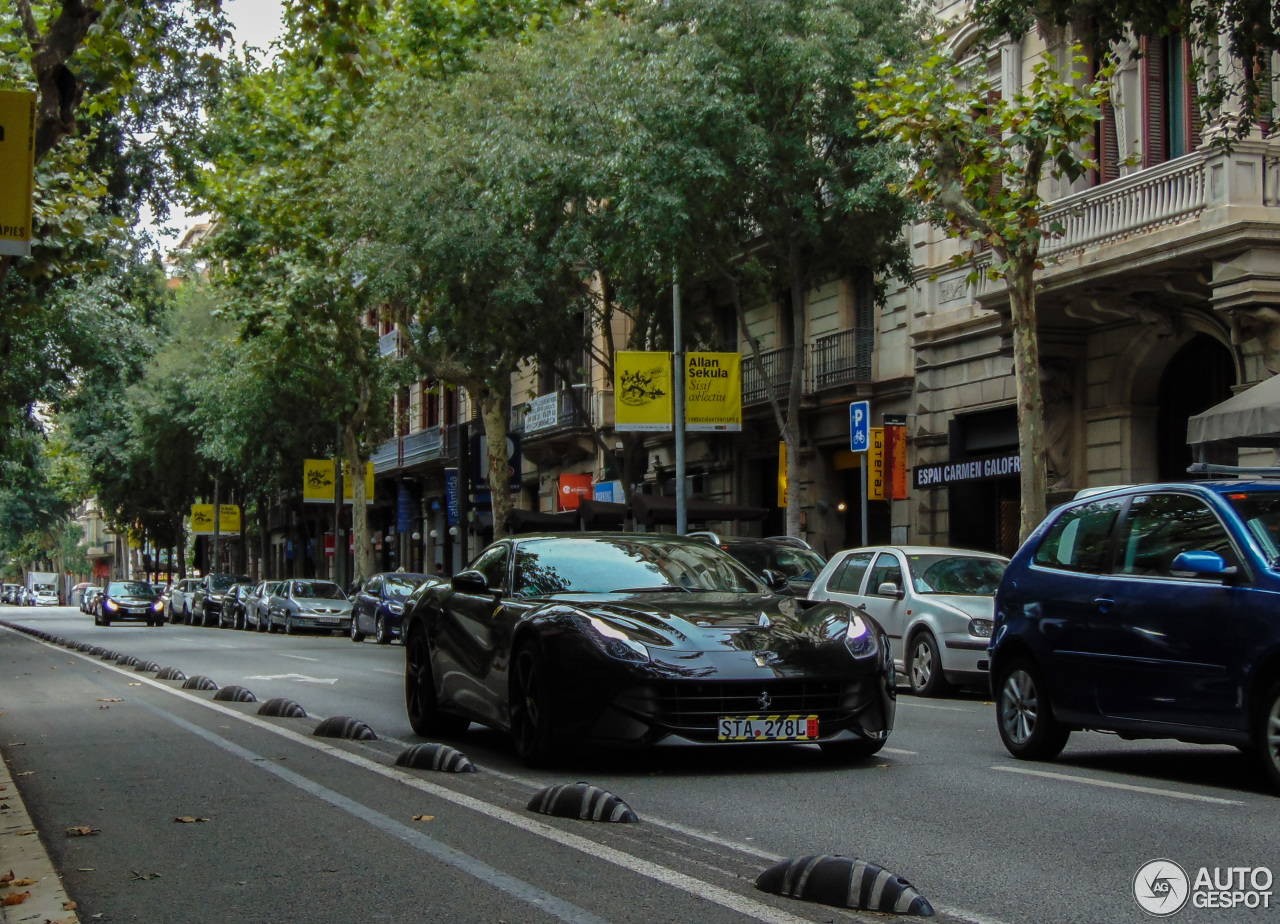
23, 853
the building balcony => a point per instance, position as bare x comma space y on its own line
842, 358
422, 446
774, 368
389, 343
553, 413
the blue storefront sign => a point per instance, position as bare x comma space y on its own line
404, 508
451, 495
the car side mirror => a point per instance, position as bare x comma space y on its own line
889, 589
470, 582
1202, 564
774, 579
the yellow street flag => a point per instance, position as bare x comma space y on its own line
317, 481
17, 169
713, 392
135, 538
876, 473
348, 492
228, 518
782, 473
642, 391
202, 519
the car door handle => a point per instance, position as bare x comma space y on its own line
1104, 604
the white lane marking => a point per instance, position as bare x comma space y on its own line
908, 702
899, 751
300, 678
383, 670
641, 867
1127, 787
518, 888
220, 645
299, 657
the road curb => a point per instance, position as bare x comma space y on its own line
27, 857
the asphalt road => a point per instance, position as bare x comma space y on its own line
300, 829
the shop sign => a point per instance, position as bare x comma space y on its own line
609, 492
544, 412
404, 508
642, 391
875, 461
947, 473
451, 495
713, 392
573, 488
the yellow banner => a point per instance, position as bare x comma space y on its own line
876, 473
318, 478
135, 538
713, 392
202, 519
782, 473
642, 391
317, 481
17, 167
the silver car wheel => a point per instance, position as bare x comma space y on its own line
1019, 706
921, 664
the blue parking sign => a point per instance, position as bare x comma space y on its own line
859, 426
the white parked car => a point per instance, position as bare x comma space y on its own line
936, 605
44, 595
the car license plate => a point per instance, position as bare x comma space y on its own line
768, 727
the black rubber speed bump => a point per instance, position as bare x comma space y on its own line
199, 682
147, 667
235, 694
97, 651
343, 726
844, 883
170, 673
282, 708
435, 757
109, 655
127, 661
584, 801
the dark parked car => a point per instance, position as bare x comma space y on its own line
379, 606
136, 600
640, 640
206, 602
1149, 611
782, 557
89, 601
231, 614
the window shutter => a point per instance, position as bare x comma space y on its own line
1154, 141
1109, 155
1266, 97
1195, 122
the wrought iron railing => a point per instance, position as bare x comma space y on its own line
840, 359
775, 368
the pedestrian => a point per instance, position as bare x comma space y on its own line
400, 570
440, 569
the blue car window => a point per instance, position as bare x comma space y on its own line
1159, 527
1080, 537
886, 571
848, 577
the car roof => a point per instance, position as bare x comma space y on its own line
1217, 486
924, 550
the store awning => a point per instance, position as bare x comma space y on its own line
651, 510
1251, 418
534, 521
602, 514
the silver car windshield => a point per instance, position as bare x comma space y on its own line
318, 590
955, 574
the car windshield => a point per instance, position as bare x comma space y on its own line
321, 590
793, 563
1260, 511
269, 589
400, 586
593, 566
955, 574
44, 588
130, 589
225, 581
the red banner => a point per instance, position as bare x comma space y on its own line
895, 462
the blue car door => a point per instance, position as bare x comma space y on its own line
367, 603
1169, 638
1061, 599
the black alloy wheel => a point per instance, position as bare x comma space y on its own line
381, 634
356, 634
289, 628
262, 623
530, 706
1268, 734
1024, 714
186, 615
924, 665
852, 750
420, 701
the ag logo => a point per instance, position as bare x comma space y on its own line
1161, 888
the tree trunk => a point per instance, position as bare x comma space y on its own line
795, 388
355, 469
493, 414
180, 533
1026, 366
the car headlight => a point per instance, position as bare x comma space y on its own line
111, 605
397, 608
158, 605
980, 627
858, 637
613, 642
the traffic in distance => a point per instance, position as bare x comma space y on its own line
1143, 611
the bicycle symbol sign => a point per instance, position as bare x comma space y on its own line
859, 426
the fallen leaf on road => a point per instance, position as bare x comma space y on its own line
16, 744
69, 905
424, 817
104, 707
22, 882
138, 874
15, 898
82, 831
110, 699
132, 684
87, 869
189, 819
71, 920
25, 773
7, 877
25, 833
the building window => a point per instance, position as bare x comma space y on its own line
1172, 118
864, 325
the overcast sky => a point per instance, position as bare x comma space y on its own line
256, 23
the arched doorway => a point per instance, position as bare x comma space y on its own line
1200, 375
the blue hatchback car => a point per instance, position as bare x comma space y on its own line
1149, 611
